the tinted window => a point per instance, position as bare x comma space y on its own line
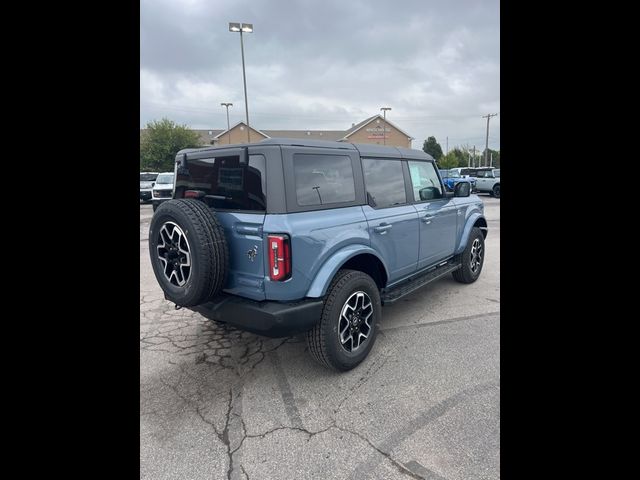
424, 180
323, 179
227, 184
496, 173
384, 182
148, 177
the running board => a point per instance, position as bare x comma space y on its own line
396, 293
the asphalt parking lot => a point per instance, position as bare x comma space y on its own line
218, 403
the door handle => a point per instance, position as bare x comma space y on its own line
382, 228
427, 219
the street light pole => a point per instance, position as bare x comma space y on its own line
246, 28
384, 130
228, 126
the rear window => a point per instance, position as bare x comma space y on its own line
148, 177
323, 179
227, 185
496, 173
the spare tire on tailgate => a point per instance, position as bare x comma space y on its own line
188, 251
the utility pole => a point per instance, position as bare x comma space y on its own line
447, 146
474, 155
491, 164
486, 147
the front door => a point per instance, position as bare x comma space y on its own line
437, 213
392, 220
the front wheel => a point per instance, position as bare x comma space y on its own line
347, 328
472, 258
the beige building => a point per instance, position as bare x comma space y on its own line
370, 130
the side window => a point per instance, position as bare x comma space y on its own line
384, 182
323, 179
424, 180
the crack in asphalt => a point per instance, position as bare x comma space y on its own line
433, 413
310, 434
378, 362
441, 322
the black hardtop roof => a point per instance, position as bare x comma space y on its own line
365, 149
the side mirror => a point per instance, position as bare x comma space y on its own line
429, 193
462, 189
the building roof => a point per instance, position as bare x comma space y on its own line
207, 136
362, 124
310, 134
242, 123
358, 126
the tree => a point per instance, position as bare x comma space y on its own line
432, 147
160, 143
448, 161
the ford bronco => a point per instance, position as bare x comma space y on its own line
288, 236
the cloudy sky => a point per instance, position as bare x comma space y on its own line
325, 64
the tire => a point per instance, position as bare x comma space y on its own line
496, 191
195, 260
324, 342
470, 271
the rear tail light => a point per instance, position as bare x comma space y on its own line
279, 257
194, 194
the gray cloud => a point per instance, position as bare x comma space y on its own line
328, 64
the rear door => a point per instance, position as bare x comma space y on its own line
237, 192
392, 220
437, 214
483, 183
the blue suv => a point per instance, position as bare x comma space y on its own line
451, 177
287, 236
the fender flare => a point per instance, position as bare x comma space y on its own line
464, 238
330, 267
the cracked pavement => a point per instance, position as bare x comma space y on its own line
219, 403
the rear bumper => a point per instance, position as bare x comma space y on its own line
268, 318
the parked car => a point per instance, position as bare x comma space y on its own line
289, 235
452, 176
147, 180
163, 189
487, 179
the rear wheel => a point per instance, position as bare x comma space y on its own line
347, 328
496, 191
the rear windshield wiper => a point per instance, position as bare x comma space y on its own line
219, 197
